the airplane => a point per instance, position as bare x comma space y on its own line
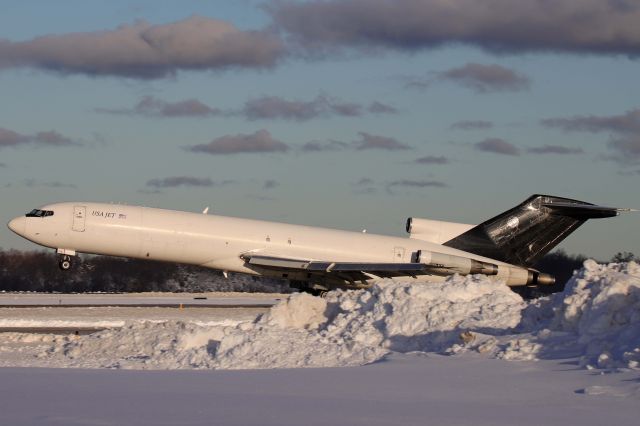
315, 259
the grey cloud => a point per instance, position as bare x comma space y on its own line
11, 138
33, 183
153, 107
555, 149
630, 173
317, 146
258, 142
48, 138
497, 146
365, 186
407, 183
627, 149
146, 51
369, 141
380, 108
625, 129
262, 108
472, 125
270, 184
485, 78
275, 107
2, 165
175, 181
52, 138
498, 26
364, 182
623, 123
346, 109
431, 159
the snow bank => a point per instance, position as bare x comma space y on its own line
344, 329
597, 318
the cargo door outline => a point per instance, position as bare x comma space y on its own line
79, 216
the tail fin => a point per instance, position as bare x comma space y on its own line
524, 234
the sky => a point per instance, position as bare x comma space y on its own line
349, 114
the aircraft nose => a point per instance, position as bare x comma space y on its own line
18, 225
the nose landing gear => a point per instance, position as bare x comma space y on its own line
65, 263
64, 260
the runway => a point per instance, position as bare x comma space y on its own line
170, 300
83, 314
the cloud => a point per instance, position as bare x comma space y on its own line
365, 181
49, 138
480, 78
175, 181
275, 107
346, 109
369, 141
380, 108
555, 149
431, 159
317, 146
472, 125
52, 138
146, 51
497, 146
258, 142
628, 122
2, 165
262, 108
34, 183
625, 130
497, 26
627, 149
11, 138
364, 186
630, 173
407, 183
153, 107
270, 184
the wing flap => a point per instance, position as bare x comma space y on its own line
382, 269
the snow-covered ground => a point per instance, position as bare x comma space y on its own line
442, 346
408, 389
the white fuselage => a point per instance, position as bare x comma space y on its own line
211, 241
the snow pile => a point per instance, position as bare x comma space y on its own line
345, 329
597, 318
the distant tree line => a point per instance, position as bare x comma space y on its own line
38, 271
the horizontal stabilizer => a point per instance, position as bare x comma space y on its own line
584, 211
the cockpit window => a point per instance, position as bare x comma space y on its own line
40, 213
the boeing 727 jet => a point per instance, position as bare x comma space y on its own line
315, 259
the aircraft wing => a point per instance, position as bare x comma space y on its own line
351, 271
428, 263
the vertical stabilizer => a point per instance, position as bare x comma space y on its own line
525, 233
